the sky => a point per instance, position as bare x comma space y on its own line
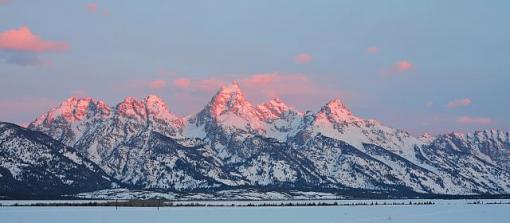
423, 66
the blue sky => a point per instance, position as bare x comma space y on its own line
400, 62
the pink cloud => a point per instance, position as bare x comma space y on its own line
459, 103
94, 8
429, 104
157, 84
403, 66
182, 82
24, 40
265, 79
91, 7
397, 68
373, 50
303, 58
268, 80
270, 85
466, 120
297, 88
2, 2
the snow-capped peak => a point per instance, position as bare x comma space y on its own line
493, 134
131, 107
459, 135
427, 137
157, 107
336, 111
74, 110
230, 99
273, 109
150, 107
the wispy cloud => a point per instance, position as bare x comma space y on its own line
399, 67
94, 8
403, 66
373, 50
182, 82
303, 58
157, 84
467, 120
277, 84
91, 7
459, 103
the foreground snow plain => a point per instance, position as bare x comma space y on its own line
441, 211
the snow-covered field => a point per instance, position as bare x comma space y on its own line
441, 211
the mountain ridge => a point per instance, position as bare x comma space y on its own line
232, 143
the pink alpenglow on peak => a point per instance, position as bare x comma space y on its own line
337, 107
273, 109
335, 111
151, 107
74, 110
230, 99
132, 108
157, 108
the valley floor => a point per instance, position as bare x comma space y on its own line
465, 211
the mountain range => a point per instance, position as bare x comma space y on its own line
85, 145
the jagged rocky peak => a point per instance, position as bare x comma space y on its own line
275, 105
336, 106
230, 99
131, 107
73, 110
336, 111
457, 135
151, 106
427, 137
492, 134
76, 109
274, 109
157, 107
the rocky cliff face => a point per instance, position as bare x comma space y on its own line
34, 164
